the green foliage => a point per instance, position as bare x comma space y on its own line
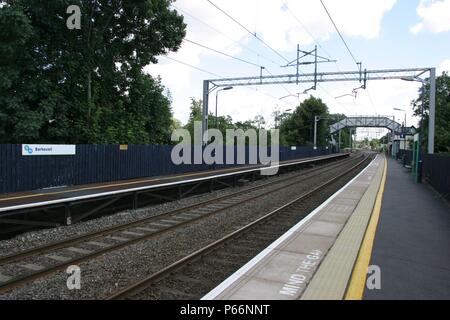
375, 144
85, 86
298, 128
442, 138
223, 122
195, 115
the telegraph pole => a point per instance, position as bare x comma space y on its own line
431, 131
315, 131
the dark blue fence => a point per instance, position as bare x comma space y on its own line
436, 170
101, 163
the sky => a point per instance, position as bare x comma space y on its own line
382, 34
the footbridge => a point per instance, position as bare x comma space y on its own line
398, 132
370, 122
366, 122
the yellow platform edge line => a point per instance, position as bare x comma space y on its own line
355, 290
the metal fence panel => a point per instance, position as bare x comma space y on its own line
436, 170
104, 163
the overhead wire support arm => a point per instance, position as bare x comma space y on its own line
297, 63
298, 66
341, 76
324, 60
307, 54
315, 68
261, 75
222, 53
313, 78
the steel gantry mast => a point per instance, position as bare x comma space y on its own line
361, 76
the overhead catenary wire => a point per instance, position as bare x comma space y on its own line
193, 67
282, 85
320, 46
306, 29
248, 31
331, 96
220, 76
225, 35
339, 32
271, 96
222, 53
255, 35
236, 58
310, 35
346, 46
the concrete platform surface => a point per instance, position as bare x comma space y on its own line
412, 242
288, 268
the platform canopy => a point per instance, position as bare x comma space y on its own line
369, 122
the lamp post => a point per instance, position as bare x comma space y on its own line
432, 107
317, 119
217, 101
402, 110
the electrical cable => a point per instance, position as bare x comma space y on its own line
246, 29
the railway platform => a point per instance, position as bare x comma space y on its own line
412, 241
380, 228
71, 204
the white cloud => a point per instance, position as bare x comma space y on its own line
444, 66
273, 23
435, 15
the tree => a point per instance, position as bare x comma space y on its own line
195, 116
442, 137
176, 124
87, 85
248, 125
298, 128
223, 122
375, 144
259, 122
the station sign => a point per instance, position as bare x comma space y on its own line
48, 150
417, 137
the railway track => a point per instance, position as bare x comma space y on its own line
47, 259
193, 276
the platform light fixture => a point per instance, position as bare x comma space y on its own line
217, 101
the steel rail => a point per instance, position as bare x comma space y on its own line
221, 173
22, 279
96, 234
142, 285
